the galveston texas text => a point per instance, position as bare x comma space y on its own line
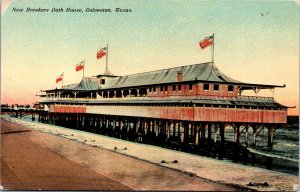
77, 10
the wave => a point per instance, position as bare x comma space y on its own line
288, 144
271, 155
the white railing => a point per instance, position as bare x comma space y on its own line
241, 98
48, 99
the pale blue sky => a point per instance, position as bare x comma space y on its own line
37, 47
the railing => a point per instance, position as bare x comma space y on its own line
5, 109
240, 98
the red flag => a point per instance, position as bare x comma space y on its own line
101, 53
80, 66
59, 78
208, 41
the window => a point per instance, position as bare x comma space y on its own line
206, 86
179, 87
150, 89
166, 88
102, 81
174, 87
154, 89
230, 87
161, 88
190, 86
216, 87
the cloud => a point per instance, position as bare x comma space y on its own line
297, 1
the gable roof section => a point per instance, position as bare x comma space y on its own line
86, 84
201, 72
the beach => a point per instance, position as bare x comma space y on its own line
135, 166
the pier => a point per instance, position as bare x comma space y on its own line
186, 135
19, 112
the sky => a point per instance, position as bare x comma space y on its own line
255, 42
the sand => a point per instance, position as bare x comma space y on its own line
31, 160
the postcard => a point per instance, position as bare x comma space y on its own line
149, 95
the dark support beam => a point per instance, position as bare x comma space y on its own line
270, 136
254, 128
186, 131
236, 128
246, 135
215, 131
222, 133
178, 131
209, 132
238, 133
202, 136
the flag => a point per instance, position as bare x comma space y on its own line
80, 66
208, 41
59, 78
101, 53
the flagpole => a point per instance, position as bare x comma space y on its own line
83, 68
213, 48
106, 56
62, 82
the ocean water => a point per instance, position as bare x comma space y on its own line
284, 157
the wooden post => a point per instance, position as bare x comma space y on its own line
246, 135
82, 122
135, 125
222, 133
156, 127
153, 127
174, 129
270, 137
215, 132
106, 123
197, 129
114, 123
254, 128
209, 132
203, 128
185, 132
168, 124
178, 132
238, 134
146, 126
128, 125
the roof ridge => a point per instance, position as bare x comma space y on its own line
167, 69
